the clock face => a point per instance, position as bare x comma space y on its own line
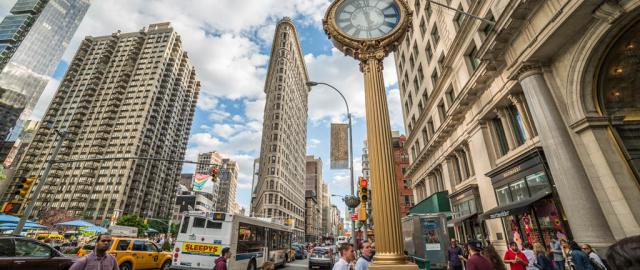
367, 19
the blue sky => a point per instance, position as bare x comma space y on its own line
229, 42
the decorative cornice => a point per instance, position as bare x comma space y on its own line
594, 121
526, 70
609, 11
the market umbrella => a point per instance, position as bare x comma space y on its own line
4, 218
29, 225
96, 229
76, 223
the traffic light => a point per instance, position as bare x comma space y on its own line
24, 185
362, 215
364, 191
214, 173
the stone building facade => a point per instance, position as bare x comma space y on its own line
531, 135
313, 199
123, 95
280, 190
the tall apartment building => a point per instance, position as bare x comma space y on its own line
124, 95
519, 125
313, 199
33, 38
280, 190
326, 210
206, 162
228, 185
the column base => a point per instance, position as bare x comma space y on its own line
395, 266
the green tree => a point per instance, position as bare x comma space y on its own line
133, 221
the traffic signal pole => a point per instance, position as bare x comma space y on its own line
27, 212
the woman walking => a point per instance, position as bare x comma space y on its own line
492, 255
542, 261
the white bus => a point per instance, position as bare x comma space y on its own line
203, 235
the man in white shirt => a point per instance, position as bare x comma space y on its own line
347, 255
531, 256
365, 256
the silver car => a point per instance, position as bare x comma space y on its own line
321, 258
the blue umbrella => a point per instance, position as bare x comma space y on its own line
8, 219
97, 229
26, 225
76, 223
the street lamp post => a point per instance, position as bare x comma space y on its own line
27, 212
353, 223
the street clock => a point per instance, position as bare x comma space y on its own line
363, 27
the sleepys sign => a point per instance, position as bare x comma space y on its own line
201, 249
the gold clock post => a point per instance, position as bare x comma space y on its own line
386, 206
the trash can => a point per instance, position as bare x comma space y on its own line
423, 264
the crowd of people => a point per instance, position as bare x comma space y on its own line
561, 254
348, 260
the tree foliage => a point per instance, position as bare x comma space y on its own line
133, 221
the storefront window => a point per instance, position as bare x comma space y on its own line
519, 191
538, 183
503, 195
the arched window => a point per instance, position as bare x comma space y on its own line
619, 93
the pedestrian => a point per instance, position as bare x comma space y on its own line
476, 261
454, 256
578, 259
625, 254
268, 266
531, 256
99, 259
595, 259
556, 250
492, 255
365, 256
221, 262
347, 255
515, 258
542, 262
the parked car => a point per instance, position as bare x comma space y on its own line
321, 257
18, 253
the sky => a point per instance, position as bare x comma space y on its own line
229, 42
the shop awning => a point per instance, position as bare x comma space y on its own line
436, 203
461, 218
513, 208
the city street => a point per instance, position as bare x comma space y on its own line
298, 264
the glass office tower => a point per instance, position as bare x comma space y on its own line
33, 38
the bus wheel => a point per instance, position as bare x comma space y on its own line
126, 266
252, 265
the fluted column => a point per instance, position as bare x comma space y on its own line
585, 216
389, 243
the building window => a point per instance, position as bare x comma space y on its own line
429, 10
429, 52
434, 78
459, 18
518, 126
412, 62
430, 128
410, 100
406, 107
420, 74
503, 146
425, 136
416, 6
450, 96
472, 58
442, 111
485, 28
423, 27
435, 36
416, 84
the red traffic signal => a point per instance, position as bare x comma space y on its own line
363, 182
214, 173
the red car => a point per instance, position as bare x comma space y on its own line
21, 253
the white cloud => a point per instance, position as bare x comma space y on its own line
395, 110
343, 73
313, 143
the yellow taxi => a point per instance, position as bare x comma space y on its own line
134, 253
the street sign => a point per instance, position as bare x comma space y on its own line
354, 217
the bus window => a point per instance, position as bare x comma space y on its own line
185, 225
214, 225
278, 239
250, 238
198, 222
